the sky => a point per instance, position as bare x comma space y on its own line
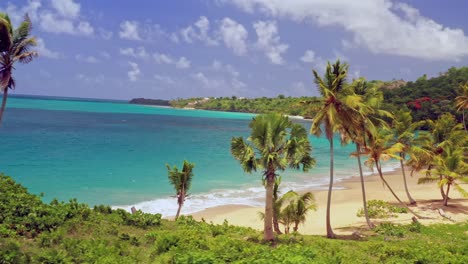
171, 49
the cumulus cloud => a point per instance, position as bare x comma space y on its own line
62, 16
164, 79
198, 31
234, 36
386, 28
45, 52
269, 42
139, 52
218, 85
181, 63
134, 72
66, 8
129, 30
87, 59
309, 56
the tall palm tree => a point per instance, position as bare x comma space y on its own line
181, 181
462, 101
275, 143
404, 130
370, 116
450, 168
337, 113
15, 46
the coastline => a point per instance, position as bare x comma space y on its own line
347, 200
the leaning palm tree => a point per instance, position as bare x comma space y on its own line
337, 113
370, 116
15, 46
274, 144
462, 101
181, 181
404, 129
450, 168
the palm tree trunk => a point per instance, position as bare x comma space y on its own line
411, 200
275, 220
442, 192
446, 195
364, 200
296, 226
379, 169
330, 233
4, 101
464, 124
268, 220
180, 201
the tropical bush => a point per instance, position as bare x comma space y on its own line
382, 209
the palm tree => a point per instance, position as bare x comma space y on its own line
404, 130
15, 46
296, 210
274, 144
276, 205
181, 180
450, 168
379, 148
370, 116
462, 101
337, 113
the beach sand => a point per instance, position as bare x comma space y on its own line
346, 202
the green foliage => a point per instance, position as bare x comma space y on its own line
139, 219
103, 237
428, 98
381, 209
302, 106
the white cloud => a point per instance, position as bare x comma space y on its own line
309, 56
219, 85
139, 52
105, 34
16, 14
85, 28
66, 8
220, 67
385, 28
87, 59
105, 54
234, 36
134, 72
165, 79
181, 63
269, 41
45, 52
199, 31
129, 30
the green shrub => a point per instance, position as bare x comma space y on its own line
10, 252
139, 219
381, 209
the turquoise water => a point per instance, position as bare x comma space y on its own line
115, 153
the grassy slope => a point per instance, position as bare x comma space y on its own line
101, 235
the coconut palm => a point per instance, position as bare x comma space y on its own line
370, 116
15, 46
450, 168
462, 101
276, 205
337, 113
181, 181
296, 209
404, 130
380, 147
274, 144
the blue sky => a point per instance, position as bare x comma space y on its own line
168, 49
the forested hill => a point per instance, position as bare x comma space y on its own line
145, 101
280, 104
428, 98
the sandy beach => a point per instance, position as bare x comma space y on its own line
347, 201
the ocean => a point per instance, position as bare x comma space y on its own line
111, 152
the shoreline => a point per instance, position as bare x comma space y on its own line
346, 201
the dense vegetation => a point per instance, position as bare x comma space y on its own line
425, 98
280, 104
34, 232
145, 101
